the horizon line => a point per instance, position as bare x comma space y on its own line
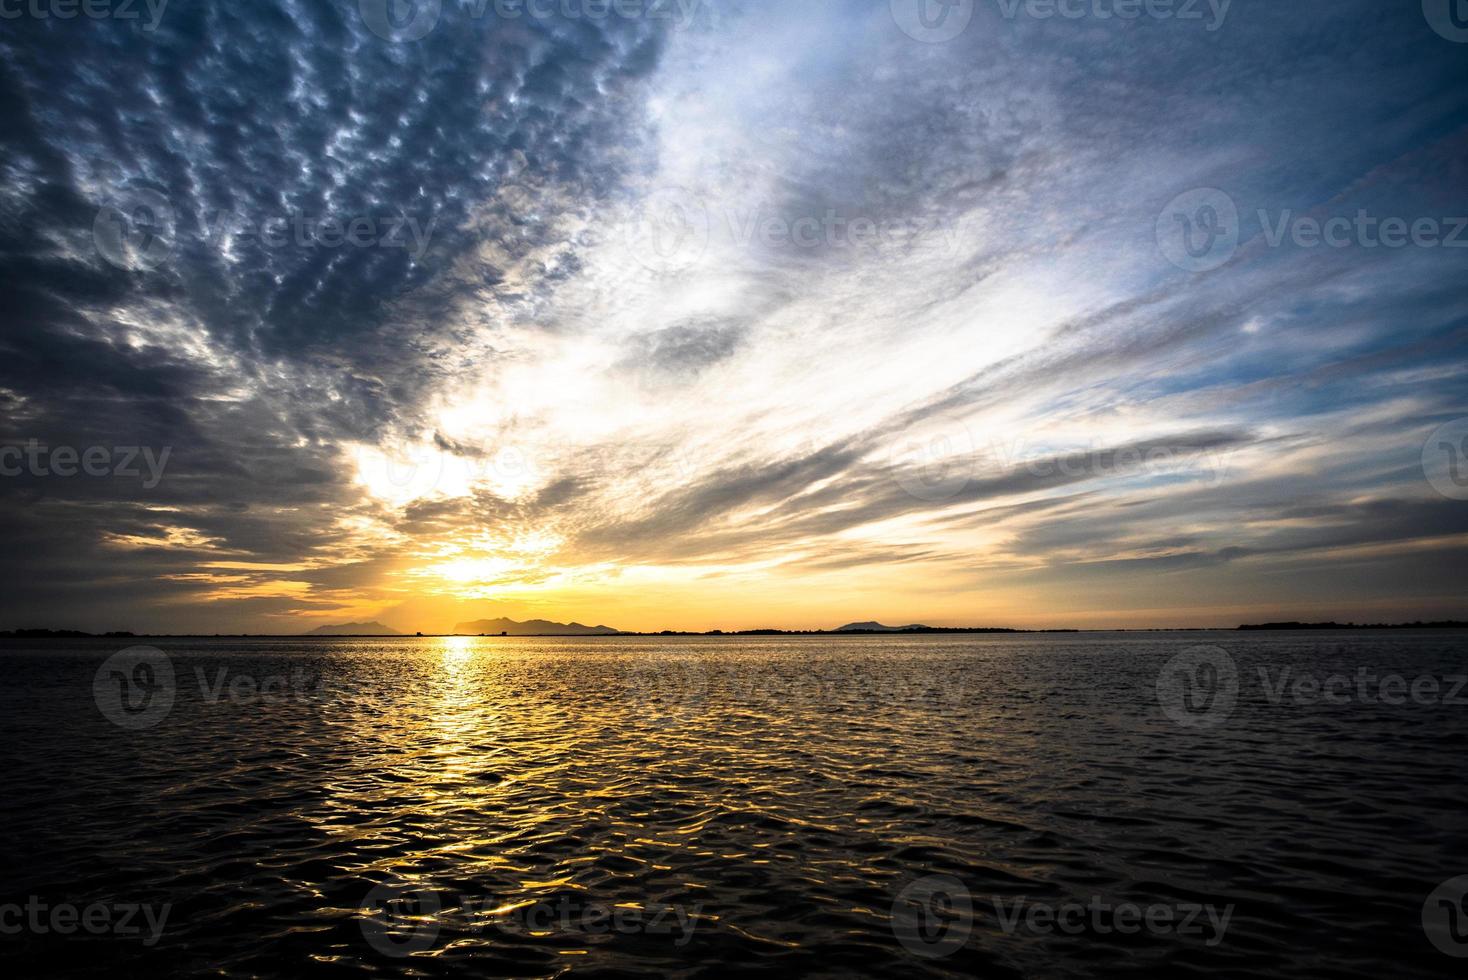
31, 633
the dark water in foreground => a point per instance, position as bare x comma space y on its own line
990, 806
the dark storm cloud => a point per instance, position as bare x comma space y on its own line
256, 123
313, 178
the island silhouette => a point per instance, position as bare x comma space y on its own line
534, 627
355, 629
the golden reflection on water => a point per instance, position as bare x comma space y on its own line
778, 796
458, 717
517, 777
457, 649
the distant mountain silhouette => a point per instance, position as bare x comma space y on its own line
534, 627
876, 628
355, 629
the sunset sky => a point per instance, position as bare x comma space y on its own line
757, 314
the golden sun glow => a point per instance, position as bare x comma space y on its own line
404, 473
486, 564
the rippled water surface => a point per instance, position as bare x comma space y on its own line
831, 806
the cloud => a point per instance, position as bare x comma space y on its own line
278, 243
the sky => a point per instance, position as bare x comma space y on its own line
731, 314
